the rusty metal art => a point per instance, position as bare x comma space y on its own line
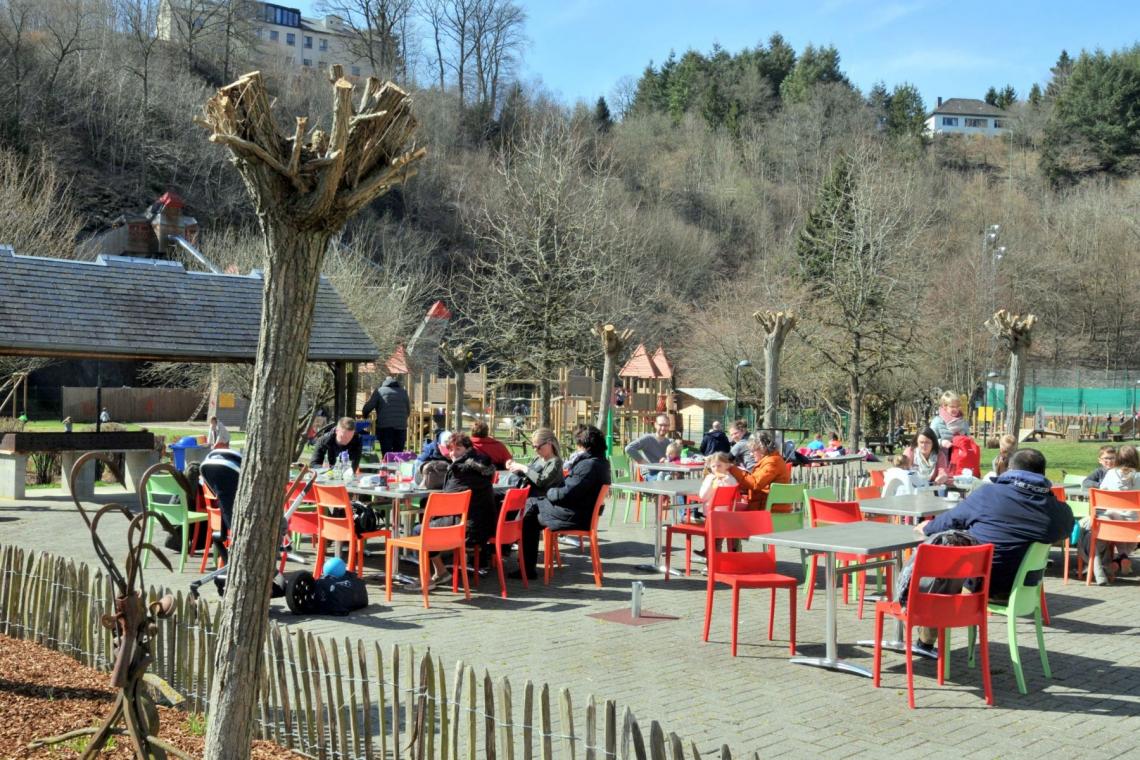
135, 623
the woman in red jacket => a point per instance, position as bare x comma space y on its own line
769, 469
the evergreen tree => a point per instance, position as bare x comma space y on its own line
1035, 95
879, 101
815, 66
714, 106
1007, 97
777, 62
906, 113
603, 119
827, 231
1060, 75
991, 96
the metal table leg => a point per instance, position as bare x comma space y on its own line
831, 659
898, 643
658, 566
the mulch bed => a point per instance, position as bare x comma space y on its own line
46, 693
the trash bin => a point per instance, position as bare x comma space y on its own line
179, 450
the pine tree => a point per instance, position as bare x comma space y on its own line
1035, 95
603, 119
828, 227
1007, 97
906, 113
992, 96
1060, 72
815, 66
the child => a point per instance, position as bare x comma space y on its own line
1111, 558
717, 475
1106, 460
673, 453
949, 421
899, 479
834, 447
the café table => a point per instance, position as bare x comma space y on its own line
667, 492
379, 466
687, 468
868, 538
914, 505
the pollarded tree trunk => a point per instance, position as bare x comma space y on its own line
1016, 333
777, 325
544, 395
613, 343
303, 189
457, 358
855, 393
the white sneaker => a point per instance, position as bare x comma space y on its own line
443, 579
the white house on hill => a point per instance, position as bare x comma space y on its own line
965, 116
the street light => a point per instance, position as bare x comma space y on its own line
997, 253
736, 387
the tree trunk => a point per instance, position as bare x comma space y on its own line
1014, 393
607, 392
289, 293
855, 401
460, 382
544, 401
777, 325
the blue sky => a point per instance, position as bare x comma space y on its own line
579, 49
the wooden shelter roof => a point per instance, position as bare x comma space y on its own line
120, 307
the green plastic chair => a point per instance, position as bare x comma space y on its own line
1023, 601
172, 506
1072, 480
787, 493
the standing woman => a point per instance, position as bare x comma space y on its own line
545, 470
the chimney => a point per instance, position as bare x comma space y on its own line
939, 101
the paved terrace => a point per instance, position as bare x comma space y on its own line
758, 701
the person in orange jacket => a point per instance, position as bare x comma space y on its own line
769, 469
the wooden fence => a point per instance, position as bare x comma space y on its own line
132, 404
335, 699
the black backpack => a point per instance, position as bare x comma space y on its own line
330, 595
363, 518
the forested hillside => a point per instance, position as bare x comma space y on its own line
704, 189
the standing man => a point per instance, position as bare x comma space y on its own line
390, 401
218, 436
715, 440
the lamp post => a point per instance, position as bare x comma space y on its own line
997, 252
736, 387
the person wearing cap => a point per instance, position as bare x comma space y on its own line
432, 450
390, 402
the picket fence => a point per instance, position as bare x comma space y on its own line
329, 699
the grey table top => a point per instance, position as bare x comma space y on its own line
672, 466
683, 487
847, 538
396, 493
907, 505
377, 466
843, 459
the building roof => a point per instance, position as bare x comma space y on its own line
704, 394
119, 307
967, 107
642, 365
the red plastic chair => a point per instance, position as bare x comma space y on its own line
723, 498
550, 539
433, 538
941, 611
508, 530
334, 523
821, 512
1104, 529
740, 569
213, 525
868, 492
878, 479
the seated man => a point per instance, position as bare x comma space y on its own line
341, 438
569, 506
651, 447
1016, 510
715, 440
492, 448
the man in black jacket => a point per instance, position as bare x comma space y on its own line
390, 401
571, 505
343, 437
715, 440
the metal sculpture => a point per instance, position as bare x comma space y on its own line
135, 623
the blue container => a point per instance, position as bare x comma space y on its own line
178, 451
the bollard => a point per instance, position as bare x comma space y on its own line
635, 600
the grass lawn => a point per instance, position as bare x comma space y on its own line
172, 433
1077, 458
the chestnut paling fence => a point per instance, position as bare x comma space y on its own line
334, 699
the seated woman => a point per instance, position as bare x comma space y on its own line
1112, 558
929, 462
545, 470
469, 471
770, 468
569, 506
834, 447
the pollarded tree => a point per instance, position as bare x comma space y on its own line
613, 343
777, 325
1016, 334
858, 257
304, 187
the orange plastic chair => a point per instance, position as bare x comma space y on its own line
550, 539
723, 498
868, 492
821, 512
334, 523
741, 569
508, 530
441, 538
878, 479
941, 611
213, 525
1105, 529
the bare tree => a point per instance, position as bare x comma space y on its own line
304, 188
373, 26
138, 20
457, 357
16, 24
554, 250
1016, 334
497, 37
613, 343
193, 22
68, 30
777, 325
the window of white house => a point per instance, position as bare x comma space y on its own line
949, 121
324, 44
307, 61
273, 35
308, 41
290, 38
976, 122
998, 124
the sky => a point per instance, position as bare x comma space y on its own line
580, 49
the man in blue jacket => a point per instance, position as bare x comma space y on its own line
1016, 510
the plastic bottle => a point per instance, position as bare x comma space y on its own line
344, 466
